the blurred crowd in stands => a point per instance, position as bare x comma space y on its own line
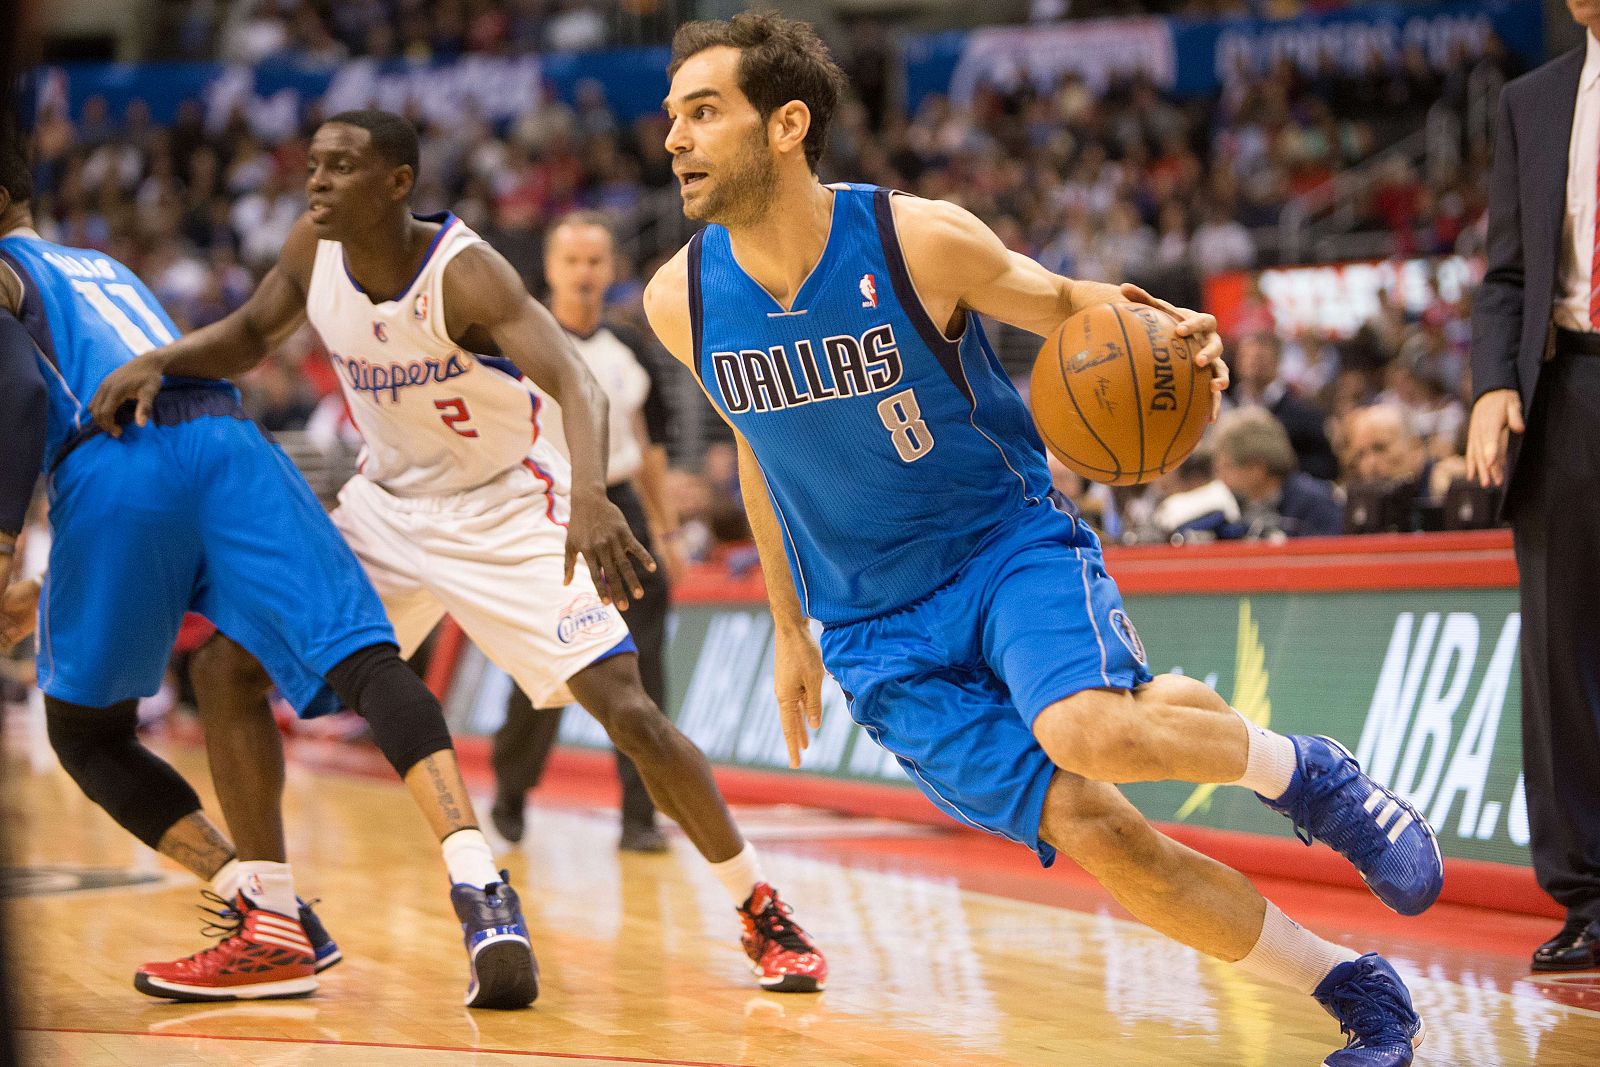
1126, 183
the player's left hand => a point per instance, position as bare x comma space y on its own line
597, 531
1202, 328
19, 612
138, 380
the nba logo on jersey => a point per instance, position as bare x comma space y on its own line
869, 291
379, 332
419, 307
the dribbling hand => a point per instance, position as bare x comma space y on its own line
138, 380
797, 681
1200, 326
598, 532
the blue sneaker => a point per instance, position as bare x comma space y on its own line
1387, 840
1374, 1011
323, 946
504, 972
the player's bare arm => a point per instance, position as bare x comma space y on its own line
486, 300
958, 264
29, 397
797, 667
224, 349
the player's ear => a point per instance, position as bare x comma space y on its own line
788, 126
402, 179
5, 200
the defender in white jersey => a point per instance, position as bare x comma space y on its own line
458, 508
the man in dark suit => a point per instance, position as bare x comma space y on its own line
1536, 372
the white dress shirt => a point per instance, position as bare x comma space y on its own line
1571, 309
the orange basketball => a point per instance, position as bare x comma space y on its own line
1116, 395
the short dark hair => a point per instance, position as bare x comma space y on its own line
779, 60
16, 176
392, 135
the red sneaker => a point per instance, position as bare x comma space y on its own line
261, 955
785, 959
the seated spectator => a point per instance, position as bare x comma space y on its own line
1257, 380
1200, 507
1388, 472
1256, 462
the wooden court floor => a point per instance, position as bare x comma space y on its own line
641, 963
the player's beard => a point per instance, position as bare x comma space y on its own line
743, 193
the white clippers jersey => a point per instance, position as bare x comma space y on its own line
437, 420
625, 383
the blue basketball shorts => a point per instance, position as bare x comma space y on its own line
207, 516
952, 684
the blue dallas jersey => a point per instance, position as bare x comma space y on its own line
890, 452
88, 315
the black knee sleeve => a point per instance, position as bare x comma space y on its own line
406, 720
100, 749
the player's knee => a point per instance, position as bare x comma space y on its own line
79, 735
1099, 829
227, 679
1096, 734
1182, 691
638, 728
99, 748
406, 720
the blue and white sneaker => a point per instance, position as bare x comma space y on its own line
499, 954
323, 946
1374, 1010
1387, 840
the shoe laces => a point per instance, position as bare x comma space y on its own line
1370, 1010
1360, 849
225, 922
772, 923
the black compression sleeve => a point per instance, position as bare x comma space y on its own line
23, 410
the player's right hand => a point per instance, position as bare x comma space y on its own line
797, 679
1496, 415
138, 380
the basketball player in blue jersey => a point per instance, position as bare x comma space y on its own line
899, 496
192, 509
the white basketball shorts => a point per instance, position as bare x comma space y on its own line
493, 557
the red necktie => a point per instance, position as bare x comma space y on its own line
1594, 266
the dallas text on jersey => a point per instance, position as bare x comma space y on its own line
764, 379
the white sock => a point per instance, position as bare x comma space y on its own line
1270, 762
225, 883
740, 874
468, 858
1289, 954
269, 886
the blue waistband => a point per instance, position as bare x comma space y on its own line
179, 401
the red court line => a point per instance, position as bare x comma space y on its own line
581, 1057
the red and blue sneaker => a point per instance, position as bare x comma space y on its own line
504, 973
1387, 840
783, 956
1374, 1011
261, 955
